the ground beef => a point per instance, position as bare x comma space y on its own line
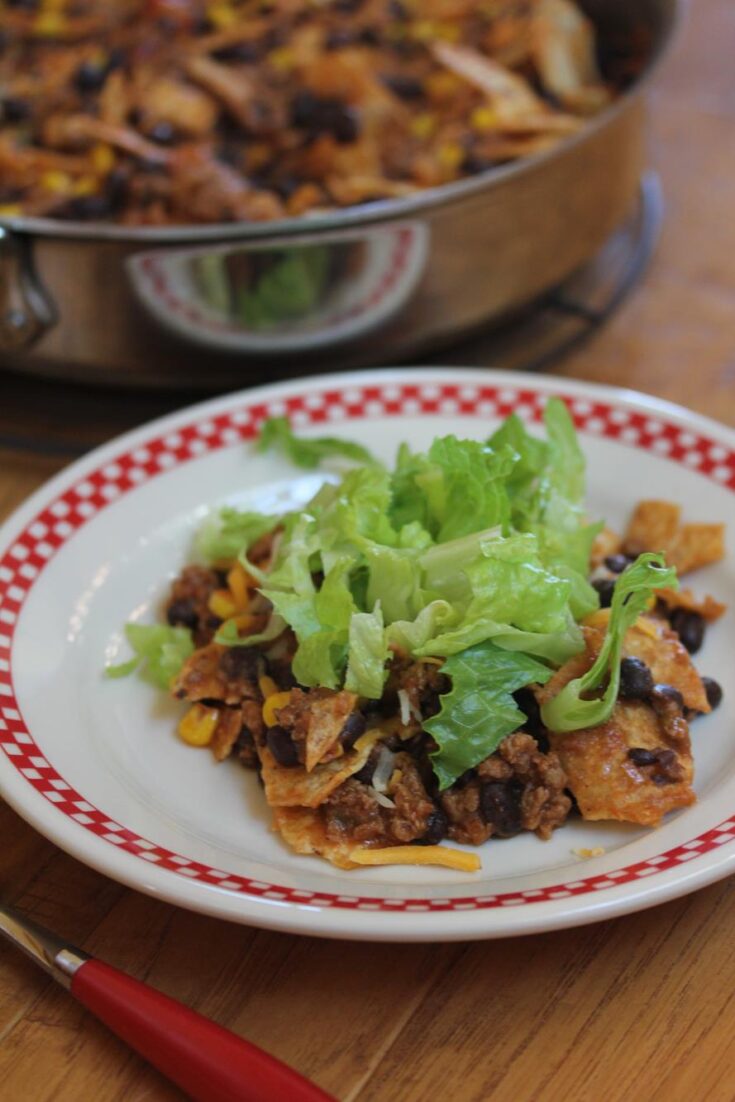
517, 788
423, 682
188, 603
354, 813
319, 723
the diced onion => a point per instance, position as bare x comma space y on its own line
383, 770
405, 703
383, 800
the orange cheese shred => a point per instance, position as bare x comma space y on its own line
418, 855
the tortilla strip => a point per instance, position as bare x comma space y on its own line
294, 787
302, 828
655, 526
607, 784
563, 48
707, 607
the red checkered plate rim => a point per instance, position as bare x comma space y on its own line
81, 494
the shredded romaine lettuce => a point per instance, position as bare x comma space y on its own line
229, 532
479, 711
276, 432
160, 652
572, 708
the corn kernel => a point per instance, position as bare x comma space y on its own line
103, 158
49, 24
423, 30
450, 155
272, 705
221, 604
198, 725
483, 118
267, 686
423, 125
221, 15
85, 185
282, 59
239, 581
9, 210
448, 32
56, 181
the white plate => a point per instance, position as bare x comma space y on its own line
95, 765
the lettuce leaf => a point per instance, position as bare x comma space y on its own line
276, 433
456, 488
160, 652
230, 532
572, 708
479, 711
366, 672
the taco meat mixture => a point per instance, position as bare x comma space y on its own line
155, 112
343, 774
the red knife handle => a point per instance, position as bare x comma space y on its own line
209, 1063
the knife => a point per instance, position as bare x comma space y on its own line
208, 1062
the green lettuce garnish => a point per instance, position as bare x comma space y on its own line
465, 543
226, 534
572, 708
160, 652
276, 433
479, 711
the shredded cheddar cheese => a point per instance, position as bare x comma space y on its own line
418, 855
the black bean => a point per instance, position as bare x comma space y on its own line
163, 133
23, 5
403, 85
667, 697
397, 10
282, 747
617, 563
370, 36
353, 728
713, 690
347, 6
183, 613
324, 116
473, 165
528, 704
689, 626
88, 208
639, 756
605, 588
246, 52
340, 38
437, 826
501, 807
365, 775
90, 76
15, 109
237, 662
636, 680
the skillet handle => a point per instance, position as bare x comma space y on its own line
209, 1063
26, 309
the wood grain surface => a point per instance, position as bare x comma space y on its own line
636, 1008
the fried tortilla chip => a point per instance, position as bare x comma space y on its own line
608, 784
656, 526
654, 642
605, 543
697, 545
707, 607
302, 828
563, 48
294, 787
202, 678
514, 101
653, 527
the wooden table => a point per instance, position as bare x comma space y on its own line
636, 1008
